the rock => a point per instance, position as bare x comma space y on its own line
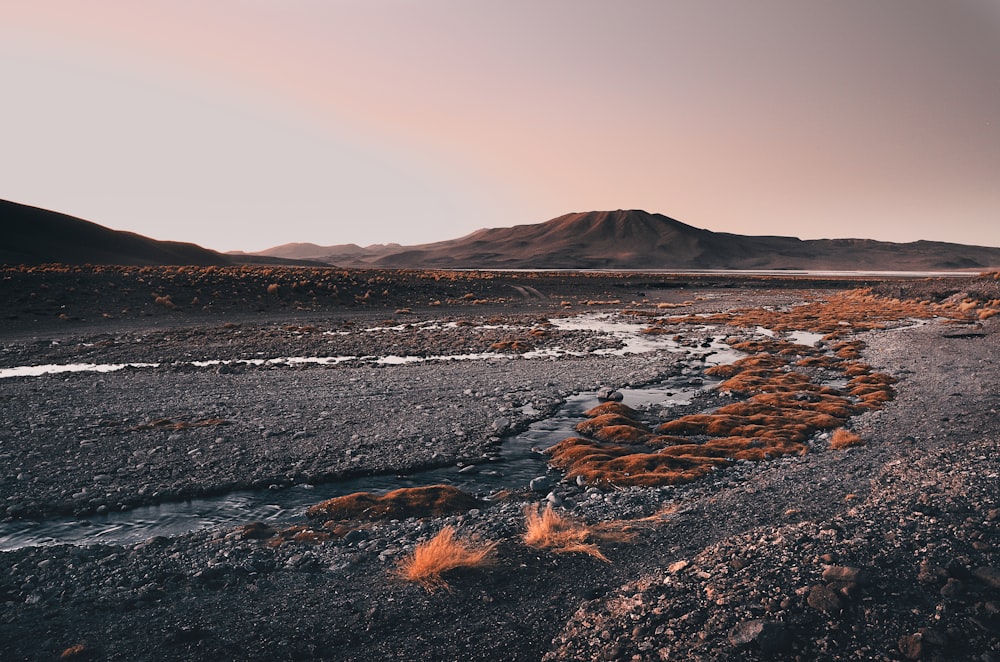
257, 531
934, 637
677, 566
912, 646
771, 637
988, 575
953, 588
930, 573
823, 599
841, 573
469, 469
554, 499
501, 424
606, 393
540, 484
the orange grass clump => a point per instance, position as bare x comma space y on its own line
612, 408
855, 310
77, 651
615, 428
606, 464
547, 529
400, 504
513, 345
844, 438
431, 559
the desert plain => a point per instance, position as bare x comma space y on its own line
801, 467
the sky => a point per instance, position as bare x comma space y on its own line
244, 124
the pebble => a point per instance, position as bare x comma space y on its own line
608, 394
540, 484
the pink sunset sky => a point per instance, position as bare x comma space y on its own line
240, 125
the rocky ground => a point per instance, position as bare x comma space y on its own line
886, 550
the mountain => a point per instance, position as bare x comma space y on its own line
635, 239
29, 235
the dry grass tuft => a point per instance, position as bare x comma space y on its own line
76, 652
547, 529
612, 408
512, 345
405, 502
430, 560
164, 301
844, 438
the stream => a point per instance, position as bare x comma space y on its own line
520, 460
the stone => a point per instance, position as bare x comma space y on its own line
843, 573
771, 637
953, 588
930, 573
501, 424
606, 394
823, 599
988, 575
912, 646
677, 566
540, 484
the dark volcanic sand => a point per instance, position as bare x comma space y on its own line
915, 509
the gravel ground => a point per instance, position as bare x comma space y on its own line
883, 551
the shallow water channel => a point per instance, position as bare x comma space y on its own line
520, 460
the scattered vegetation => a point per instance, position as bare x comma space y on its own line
444, 552
398, 504
844, 438
782, 404
547, 529
75, 652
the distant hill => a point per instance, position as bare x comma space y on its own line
634, 239
307, 251
29, 235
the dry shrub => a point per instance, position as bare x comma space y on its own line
547, 529
856, 310
431, 559
767, 381
75, 652
398, 504
164, 301
612, 408
622, 434
606, 464
514, 345
664, 440
844, 438
615, 428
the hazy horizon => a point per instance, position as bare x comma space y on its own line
246, 125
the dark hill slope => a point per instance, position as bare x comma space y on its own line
34, 236
30, 235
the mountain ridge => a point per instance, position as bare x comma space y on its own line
619, 239
636, 239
